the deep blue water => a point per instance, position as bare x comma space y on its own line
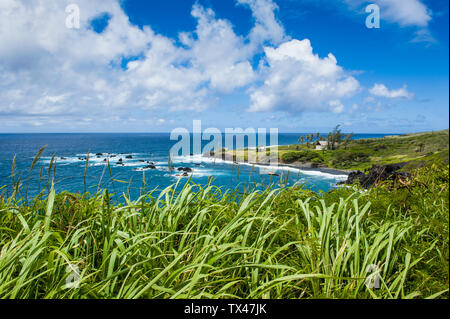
151, 147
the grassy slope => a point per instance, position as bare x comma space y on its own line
201, 243
361, 154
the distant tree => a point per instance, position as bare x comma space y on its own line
335, 137
309, 139
347, 139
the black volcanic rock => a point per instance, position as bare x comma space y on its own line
377, 174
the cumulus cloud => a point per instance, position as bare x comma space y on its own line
51, 73
406, 12
381, 90
42, 61
296, 80
40, 58
217, 52
267, 28
403, 12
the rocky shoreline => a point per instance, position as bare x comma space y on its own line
301, 166
308, 167
367, 179
378, 174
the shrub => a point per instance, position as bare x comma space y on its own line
302, 156
346, 159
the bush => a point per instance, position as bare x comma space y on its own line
346, 159
302, 156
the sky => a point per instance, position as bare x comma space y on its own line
157, 65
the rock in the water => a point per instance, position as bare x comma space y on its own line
183, 175
99, 154
129, 157
185, 169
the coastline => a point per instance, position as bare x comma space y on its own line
326, 170
301, 167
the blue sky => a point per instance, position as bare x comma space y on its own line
152, 66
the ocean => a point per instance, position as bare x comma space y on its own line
129, 176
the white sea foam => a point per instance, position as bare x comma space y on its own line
199, 171
265, 168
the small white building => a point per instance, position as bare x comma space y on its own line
321, 145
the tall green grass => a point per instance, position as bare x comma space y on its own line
200, 242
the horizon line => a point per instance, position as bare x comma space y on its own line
165, 132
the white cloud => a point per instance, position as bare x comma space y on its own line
61, 70
218, 53
49, 73
403, 12
267, 28
423, 35
41, 59
297, 80
381, 90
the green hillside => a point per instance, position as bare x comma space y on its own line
361, 154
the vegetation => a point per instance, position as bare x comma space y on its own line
335, 137
301, 156
200, 242
347, 154
309, 139
362, 154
